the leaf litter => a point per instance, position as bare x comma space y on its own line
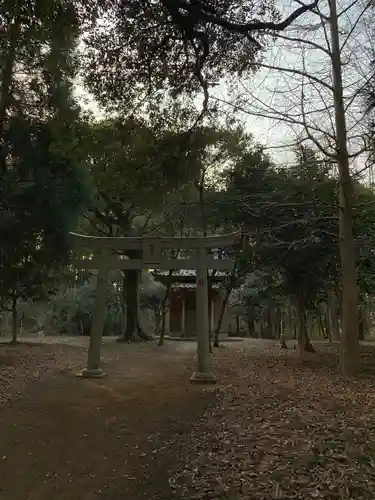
271, 429
282, 430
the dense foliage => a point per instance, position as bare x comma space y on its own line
43, 184
143, 52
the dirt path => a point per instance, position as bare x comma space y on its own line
270, 429
76, 439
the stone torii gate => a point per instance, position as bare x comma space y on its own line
153, 250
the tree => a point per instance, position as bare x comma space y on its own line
41, 199
368, 105
175, 47
43, 187
290, 217
153, 295
223, 208
37, 43
136, 169
69, 311
261, 291
325, 73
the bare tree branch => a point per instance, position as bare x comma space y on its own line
302, 41
296, 72
200, 10
359, 17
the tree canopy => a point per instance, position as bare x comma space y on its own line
42, 180
145, 49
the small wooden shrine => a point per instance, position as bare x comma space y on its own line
182, 311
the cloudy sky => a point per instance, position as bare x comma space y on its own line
273, 103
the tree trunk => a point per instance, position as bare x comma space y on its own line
321, 327
250, 322
209, 291
261, 327
308, 345
361, 328
294, 319
350, 332
237, 325
228, 290
164, 307
301, 331
14, 340
327, 326
333, 318
277, 322
303, 341
158, 319
163, 324
326, 322
221, 317
290, 319
282, 337
363, 322
323, 323
283, 344
267, 323
130, 295
9, 60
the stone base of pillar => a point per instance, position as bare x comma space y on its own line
203, 378
87, 373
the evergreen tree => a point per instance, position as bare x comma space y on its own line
42, 181
152, 50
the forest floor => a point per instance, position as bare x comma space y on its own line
270, 428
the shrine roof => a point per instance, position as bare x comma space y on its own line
190, 286
185, 278
183, 273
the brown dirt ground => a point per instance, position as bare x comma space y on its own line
70, 438
270, 429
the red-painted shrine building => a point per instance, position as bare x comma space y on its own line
181, 316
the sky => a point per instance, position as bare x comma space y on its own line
265, 100
273, 93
